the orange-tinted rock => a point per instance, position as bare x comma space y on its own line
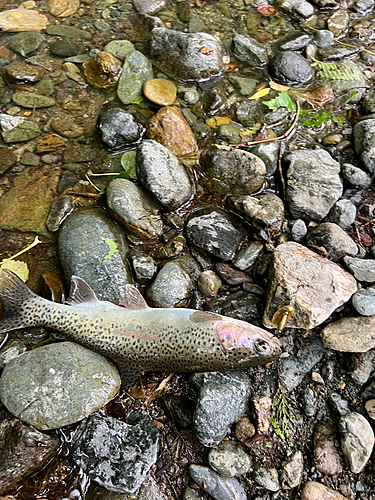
317, 491
49, 143
102, 71
17, 20
62, 8
160, 91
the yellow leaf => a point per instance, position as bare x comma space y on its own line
217, 121
17, 267
277, 86
260, 93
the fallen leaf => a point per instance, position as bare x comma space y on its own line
260, 93
17, 267
266, 9
277, 86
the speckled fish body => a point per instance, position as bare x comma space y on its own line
143, 338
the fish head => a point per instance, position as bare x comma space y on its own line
248, 344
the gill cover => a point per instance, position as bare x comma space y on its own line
244, 337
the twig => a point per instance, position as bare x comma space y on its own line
87, 195
281, 169
280, 138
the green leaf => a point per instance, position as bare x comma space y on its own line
353, 94
338, 119
112, 248
139, 100
123, 175
281, 101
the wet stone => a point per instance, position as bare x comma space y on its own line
77, 154
60, 209
25, 44
117, 455
150, 7
357, 440
18, 128
218, 390
66, 48
343, 213
339, 404
102, 71
309, 402
291, 471
85, 381
245, 86
31, 101
66, 127
209, 283
245, 258
298, 230
93, 247
333, 239
323, 38
338, 22
119, 48
134, 209
101, 26
216, 485
362, 366
160, 91
119, 129
326, 455
363, 269
240, 305
215, 231
364, 301
314, 183
229, 459
299, 276
150, 489
364, 143
298, 8
180, 55
267, 478
244, 430
269, 153
290, 68
68, 32
249, 50
23, 456
233, 172
296, 40
144, 267
187, 96
7, 159
11, 351
23, 73
264, 211
136, 70
171, 287
350, 334
30, 159
162, 174
17, 20
316, 491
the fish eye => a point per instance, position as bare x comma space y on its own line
261, 346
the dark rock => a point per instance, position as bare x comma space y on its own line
66, 48
343, 213
215, 485
117, 455
249, 50
119, 129
7, 159
26, 43
339, 404
296, 40
264, 211
23, 73
324, 38
290, 68
333, 239
68, 32
214, 101
102, 71
240, 305
309, 402
60, 209
246, 257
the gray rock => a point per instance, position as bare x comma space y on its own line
66, 48
171, 287
24, 451
11, 351
101, 25
364, 301
57, 385
362, 366
268, 152
309, 402
245, 86
144, 266
364, 143
324, 38
190, 494
94, 248
326, 456
343, 213
350, 334
179, 55
30, 159
356, 176
290, 68
295, 40
18, 128
314, 183
150, 489
245, 258
162, 174
118, 129
60, 209
264, 211
229, 459
134, 209
240, 305
267, 478
218, 487
119, 48
215, 231
298, 230
149, 7
295, 368
298, 8
339, 404
333, 239
234, 172
291, 471
363, 269
117, 455
136, 70
68, 32
314, 286
26, 43
357, 440
249, 50
227, 390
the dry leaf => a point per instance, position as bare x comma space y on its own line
277, 86
17, 267
260, 93
281, 316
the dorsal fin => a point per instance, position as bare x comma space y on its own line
80, 293
132, 298
204, 316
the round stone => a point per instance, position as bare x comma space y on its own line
209, 283
229, 459
160, 91
66, 127
324, 38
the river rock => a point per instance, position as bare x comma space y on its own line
209, 283
234, 172
119, 48
267, 478
356, 176
134, 209
23, 73
364, 143
263, 211
169, 128
57, 384
63, 8
343, 213
370, 408
119, 129
31, 101
144, 266
364, 301
7, 159
246, 257
171, 287
160, 91
68, 32
37, 186
296, 40
249, 50
102, 71
363, 269
149, 7
181, 55
18, 128
333, 239
313, 183
350, 334
60, 209
291, 471
25, 43
317, 491
242, 305
93, 247
361, 366
298, 8
326, 456
290, 68
314, 286
16, 20
357, 440
215, 231
218, 390
136, 70
117, 455
162, 174
150, 489
219, 487
66, 127
24, 455
229, 459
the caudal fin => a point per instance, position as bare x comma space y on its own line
16, 302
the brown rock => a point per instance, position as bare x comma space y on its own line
339, 21
245, 429
23, 73
66, 127
17, 20
62, 8
326, 456
7, 159
370, 408
49, 143
102, 71
160, 91
314, 286
316, 491
262, 408
291, 471
350, 334
171, 129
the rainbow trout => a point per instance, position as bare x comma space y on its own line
143, 338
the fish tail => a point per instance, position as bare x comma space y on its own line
16, 303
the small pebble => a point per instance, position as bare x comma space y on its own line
331, 140
316, 377
209, 283
160, 91
244, 430
101, 25
49, 159
370, 408
262, 407
229, 459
